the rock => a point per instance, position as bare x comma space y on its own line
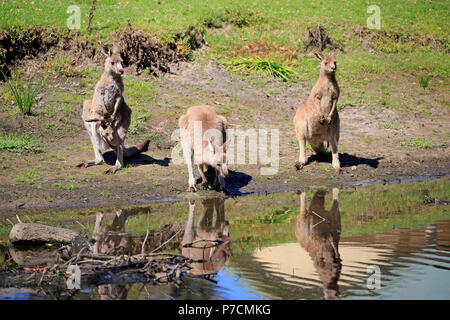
40, 233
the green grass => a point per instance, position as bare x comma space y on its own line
28, 176
391, 125
424, 81
23, 96
19, 143
279, 26
271, 68
420, 143
62, 65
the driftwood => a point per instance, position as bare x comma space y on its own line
39, 233
52, 271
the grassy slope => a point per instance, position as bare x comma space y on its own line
274, 23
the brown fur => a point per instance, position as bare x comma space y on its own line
108, 90
317, 119
199, 242
318, 232
212, 152
107, 117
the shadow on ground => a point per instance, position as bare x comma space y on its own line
347, 160
139, 160
233, 183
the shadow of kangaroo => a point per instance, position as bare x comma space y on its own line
317, 119
318, 232
107, 117
208, 243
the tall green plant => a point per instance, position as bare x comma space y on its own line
23, 96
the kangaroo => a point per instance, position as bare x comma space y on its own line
108, 90
107, 116
317, 119
318, 232
208, 243
203, 140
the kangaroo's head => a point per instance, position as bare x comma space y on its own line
113, 63
328, 65
108, 133
216, 157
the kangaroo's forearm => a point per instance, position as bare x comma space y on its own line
333, 108
116, 107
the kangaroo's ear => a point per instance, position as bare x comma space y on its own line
319, 56
116, 48
335, 54
210, 145
106, 51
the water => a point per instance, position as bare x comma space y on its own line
372, 242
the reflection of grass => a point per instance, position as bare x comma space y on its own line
369, 210
263, 220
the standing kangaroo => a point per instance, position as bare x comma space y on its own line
205, 150
107, 116
317, 119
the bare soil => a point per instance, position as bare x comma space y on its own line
373, 143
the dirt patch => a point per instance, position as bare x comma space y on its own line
391, 42
150, 53
138, 50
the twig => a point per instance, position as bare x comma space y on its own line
80, 224
167, 241
42, 277
146, 235
91, 15
323, 219
190, 245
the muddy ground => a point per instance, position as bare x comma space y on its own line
373, 144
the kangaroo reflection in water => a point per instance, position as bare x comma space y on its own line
207, 244
112, 240
318, 232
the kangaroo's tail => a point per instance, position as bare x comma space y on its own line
137, 149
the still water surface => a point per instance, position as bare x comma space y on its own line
374, 242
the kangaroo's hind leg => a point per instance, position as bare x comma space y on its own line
119, 162
205, 184
302, 156
97, 144
334, 140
